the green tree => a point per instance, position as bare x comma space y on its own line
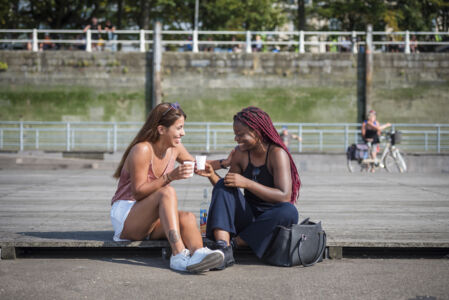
241, 15
351, 14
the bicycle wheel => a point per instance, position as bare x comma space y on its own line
394, 162
351, 164
400, 162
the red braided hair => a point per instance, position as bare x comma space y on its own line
259, 121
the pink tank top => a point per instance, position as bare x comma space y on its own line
124, 191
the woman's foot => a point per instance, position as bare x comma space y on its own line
228, 254
179, 261
205, 259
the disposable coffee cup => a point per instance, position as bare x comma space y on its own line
191, 163
200, 162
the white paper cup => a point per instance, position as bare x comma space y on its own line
200, 162
191, 163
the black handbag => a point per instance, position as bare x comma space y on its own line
300, 244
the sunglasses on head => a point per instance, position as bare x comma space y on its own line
174, 106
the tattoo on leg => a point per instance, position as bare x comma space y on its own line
173, 236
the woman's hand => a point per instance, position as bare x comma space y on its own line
181, 172
207, 172
235, 180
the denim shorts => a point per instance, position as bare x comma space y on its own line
119, 212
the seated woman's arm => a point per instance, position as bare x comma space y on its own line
138, 163
182, 154
281, 192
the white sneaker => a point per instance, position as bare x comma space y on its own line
205, 259
179, 261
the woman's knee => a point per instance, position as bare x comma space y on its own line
288, 213
186, 219
166, 193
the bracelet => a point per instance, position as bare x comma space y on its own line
167, 179
221, 164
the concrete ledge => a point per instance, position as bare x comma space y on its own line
83, 154
335, 250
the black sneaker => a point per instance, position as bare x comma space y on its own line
228, 255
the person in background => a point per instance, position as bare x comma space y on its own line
258, 44
287, 137
145, 205
110, 29
46, 44
94, 25
371, 131
264, 168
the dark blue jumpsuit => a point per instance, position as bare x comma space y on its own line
247, 216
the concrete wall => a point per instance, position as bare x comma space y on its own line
190, 71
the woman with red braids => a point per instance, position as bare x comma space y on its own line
264, 168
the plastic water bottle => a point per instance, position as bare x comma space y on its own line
204, 208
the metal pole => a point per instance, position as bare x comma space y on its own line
68, 137
21, 136
248, 42
35, 42
108, 139
407, 42
195, 41
197, 8
1, 139
154, 61
369, 68
195, 27
300, 135
207, 137
426, 142
301, 41
346, 137
88, 41
354, 42
37, 139
321, 141
142, 40
438, 138
115, 138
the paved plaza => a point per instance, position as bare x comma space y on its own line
68, 204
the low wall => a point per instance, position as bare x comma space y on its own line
190, 71
416, 163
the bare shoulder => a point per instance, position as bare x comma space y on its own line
142, 148
277, 152
278, 158
241, 157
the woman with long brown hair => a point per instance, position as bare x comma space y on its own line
145, 206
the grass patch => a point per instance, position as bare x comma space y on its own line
282, 104
70, 104
420, 104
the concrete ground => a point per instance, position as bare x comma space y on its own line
67, 203
149, 278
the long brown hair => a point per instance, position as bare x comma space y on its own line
260, 122
164, 114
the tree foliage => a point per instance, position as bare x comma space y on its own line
415, 15
228, 14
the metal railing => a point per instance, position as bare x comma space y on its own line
204, 136
246, 41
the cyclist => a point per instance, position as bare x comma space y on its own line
371, 130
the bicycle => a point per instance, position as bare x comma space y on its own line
392, 159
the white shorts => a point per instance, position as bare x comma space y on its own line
119, 212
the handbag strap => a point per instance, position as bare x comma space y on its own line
322, 244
